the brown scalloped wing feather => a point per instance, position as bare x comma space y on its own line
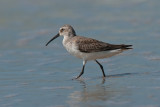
89, 45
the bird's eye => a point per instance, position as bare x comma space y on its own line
61, 30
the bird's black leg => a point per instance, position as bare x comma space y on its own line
101, 68
84, 63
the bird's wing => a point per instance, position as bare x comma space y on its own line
89, 45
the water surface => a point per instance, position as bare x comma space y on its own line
32, 74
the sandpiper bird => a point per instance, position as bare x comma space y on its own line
87, 48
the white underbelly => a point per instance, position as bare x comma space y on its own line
98, 55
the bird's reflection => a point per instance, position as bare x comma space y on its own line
90, 93
94, 92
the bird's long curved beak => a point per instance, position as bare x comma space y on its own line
53, 39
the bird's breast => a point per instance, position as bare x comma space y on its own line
72, 49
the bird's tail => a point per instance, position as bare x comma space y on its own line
126, 46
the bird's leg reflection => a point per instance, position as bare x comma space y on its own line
92, 92
103, 80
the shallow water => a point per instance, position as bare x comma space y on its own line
32, 74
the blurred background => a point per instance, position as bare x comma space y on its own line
32, 74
